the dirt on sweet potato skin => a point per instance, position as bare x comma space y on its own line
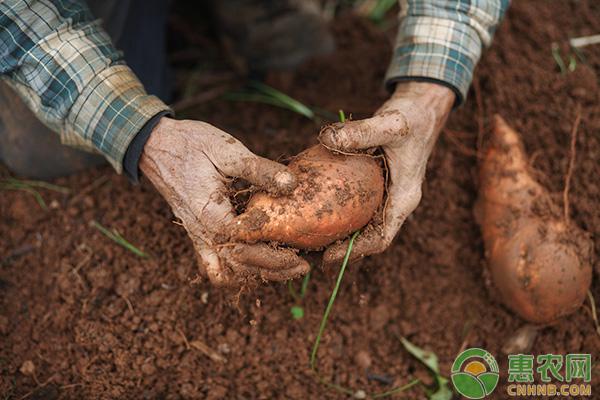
97, 322
336, 195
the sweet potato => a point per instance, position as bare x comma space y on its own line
539, 263
336, 195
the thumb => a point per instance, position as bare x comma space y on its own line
232, 158
379, 130
269, 175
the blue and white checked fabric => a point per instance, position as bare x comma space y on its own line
63, 64
442, 40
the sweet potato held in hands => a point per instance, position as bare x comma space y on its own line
539, 263
336, 195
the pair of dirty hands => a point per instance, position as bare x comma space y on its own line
190, 163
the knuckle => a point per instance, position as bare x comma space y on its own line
396, 124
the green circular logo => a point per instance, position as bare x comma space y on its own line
475, 373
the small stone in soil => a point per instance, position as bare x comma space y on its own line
28, 368
362, 359
204, 298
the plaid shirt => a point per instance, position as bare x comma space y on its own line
441, 40
63, 64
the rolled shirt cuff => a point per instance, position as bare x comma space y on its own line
109, 113
134, 152
435, 49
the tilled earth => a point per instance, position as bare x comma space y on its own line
81, 317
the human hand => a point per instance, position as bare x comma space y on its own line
189, 162
406, 127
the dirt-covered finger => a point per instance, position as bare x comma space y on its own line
367, 243
263, 256
380, 130
245, 270
232, 158
404, 195
210, 265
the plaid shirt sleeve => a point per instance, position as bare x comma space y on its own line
63, 64
441, 40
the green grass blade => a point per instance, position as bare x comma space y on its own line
304, 285
260, 98
25, 188
558, 58
342, 116
284, 100
313, 354
396, 390
297, 312
42, 184
293, 291
116, 237
380, 9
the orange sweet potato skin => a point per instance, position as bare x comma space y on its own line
539, 264
336, 195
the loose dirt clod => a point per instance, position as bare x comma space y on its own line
336, 195
540, 264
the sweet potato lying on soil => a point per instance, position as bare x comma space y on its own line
336, 195
539, 263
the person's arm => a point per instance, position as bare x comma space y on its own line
65, 67
439, 43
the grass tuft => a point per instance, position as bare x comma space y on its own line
116, 237
558, 59
297, 310
30, 186
260, 93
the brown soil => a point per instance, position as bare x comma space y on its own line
81, 317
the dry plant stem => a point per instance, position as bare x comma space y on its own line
185, 340
571, 167
207, 351
396, 390
594, 312
203, 97
90, 188
461, 147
